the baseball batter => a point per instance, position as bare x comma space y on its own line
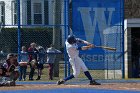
75, 61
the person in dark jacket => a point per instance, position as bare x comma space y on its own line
33, 53
41, 61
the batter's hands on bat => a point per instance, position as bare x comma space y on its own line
88, 47
91, 45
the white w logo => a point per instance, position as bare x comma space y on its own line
99, 19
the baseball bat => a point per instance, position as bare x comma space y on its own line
71, 32
107, 48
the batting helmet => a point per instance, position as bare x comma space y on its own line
71, 39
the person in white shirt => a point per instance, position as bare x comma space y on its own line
51, 56
75, 61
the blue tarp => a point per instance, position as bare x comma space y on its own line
100, 23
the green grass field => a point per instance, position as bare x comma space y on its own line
97, 74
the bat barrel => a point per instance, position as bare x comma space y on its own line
107, 48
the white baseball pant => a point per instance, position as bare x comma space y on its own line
77, 64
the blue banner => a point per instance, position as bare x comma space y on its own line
99, 22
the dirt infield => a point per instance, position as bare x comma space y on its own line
111, 86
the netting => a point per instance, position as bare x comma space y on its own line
48, 22
42, 22
101, 23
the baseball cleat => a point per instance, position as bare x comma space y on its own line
60, 82
94, 83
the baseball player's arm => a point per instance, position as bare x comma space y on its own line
86, 47
83, 41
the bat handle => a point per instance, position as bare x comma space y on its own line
97, 46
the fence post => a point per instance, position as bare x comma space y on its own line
123, 63
18, 14
65, 29
68, 27
57, 32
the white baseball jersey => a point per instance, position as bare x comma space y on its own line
75, 60
72, 50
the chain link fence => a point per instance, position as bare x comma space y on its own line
42, 22
100, 23
47, 22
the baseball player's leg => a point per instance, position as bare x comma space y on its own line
84, 69
86, 72
76, 71
62, 81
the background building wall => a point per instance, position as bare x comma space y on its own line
8, 11
132, 9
